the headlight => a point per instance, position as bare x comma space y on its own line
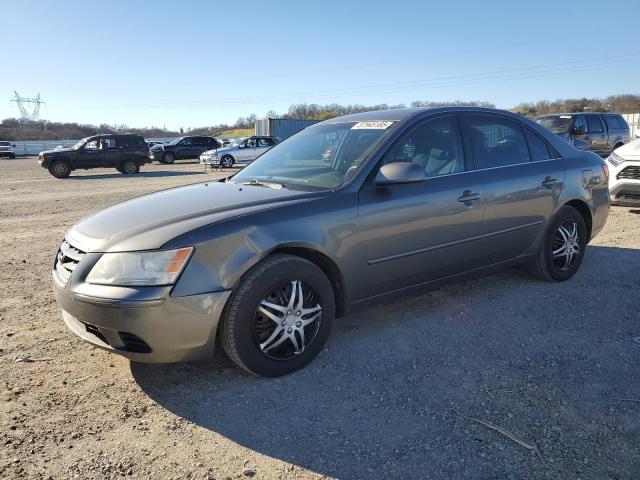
615, 160
140, 268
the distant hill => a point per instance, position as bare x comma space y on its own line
11, 129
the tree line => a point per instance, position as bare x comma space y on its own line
12, 129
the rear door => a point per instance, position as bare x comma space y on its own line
522, 183
114, 150
417, 232
597, 134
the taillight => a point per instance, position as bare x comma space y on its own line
605, 170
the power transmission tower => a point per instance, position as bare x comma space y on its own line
25, 116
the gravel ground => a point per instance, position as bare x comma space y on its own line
394, 394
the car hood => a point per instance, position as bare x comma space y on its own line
59, 150
226, 149
150, 221
630, 151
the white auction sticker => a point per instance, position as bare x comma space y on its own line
376, 125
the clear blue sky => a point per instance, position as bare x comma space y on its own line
197, 63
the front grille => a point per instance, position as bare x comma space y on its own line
67, 259
631, 172
133, 343
628, 196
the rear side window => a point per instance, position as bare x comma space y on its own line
497, 142
594, 125
538, 147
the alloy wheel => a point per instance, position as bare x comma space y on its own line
566, 245
130, 167
287, 320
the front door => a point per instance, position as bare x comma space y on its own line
414, 233
91, 155
522, 183
248, 152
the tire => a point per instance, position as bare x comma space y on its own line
556, 269
168, 158
60, 169
129, 167
227, 161
260, 342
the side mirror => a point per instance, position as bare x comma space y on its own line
577, 131
13, 145
400, 172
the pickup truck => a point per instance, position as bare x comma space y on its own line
600, 133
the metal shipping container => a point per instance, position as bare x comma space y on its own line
281, 127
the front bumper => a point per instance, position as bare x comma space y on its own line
624, 191
8, 153
143, 324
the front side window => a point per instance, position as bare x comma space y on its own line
496, 142
322, 156
92, 144
580, 124
434, 145
594, 124
186, 142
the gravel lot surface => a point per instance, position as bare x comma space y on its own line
394, 394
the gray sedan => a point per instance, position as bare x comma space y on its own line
241, 151
348, 211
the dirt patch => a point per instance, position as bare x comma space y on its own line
554, 365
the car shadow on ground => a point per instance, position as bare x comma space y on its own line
383, 400
143, 174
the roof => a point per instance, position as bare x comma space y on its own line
576, 113
405, 114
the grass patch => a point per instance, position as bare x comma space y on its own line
237, 132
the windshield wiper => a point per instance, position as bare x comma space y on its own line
262, 183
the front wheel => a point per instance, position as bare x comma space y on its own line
60, 169
226, 161
563, 247
280, 316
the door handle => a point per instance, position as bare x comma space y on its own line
549, 182
602, 136
468, 197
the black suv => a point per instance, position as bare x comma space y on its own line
600, 133
183, 147
123, 152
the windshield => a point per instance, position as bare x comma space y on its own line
4, 144
237, 141
80, 143
319, 157
557, 124
175, 141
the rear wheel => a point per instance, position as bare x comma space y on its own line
129, 167
227, 161
563, 247
60, 169
280, 316
168, 158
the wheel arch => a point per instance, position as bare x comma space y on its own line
582, 207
